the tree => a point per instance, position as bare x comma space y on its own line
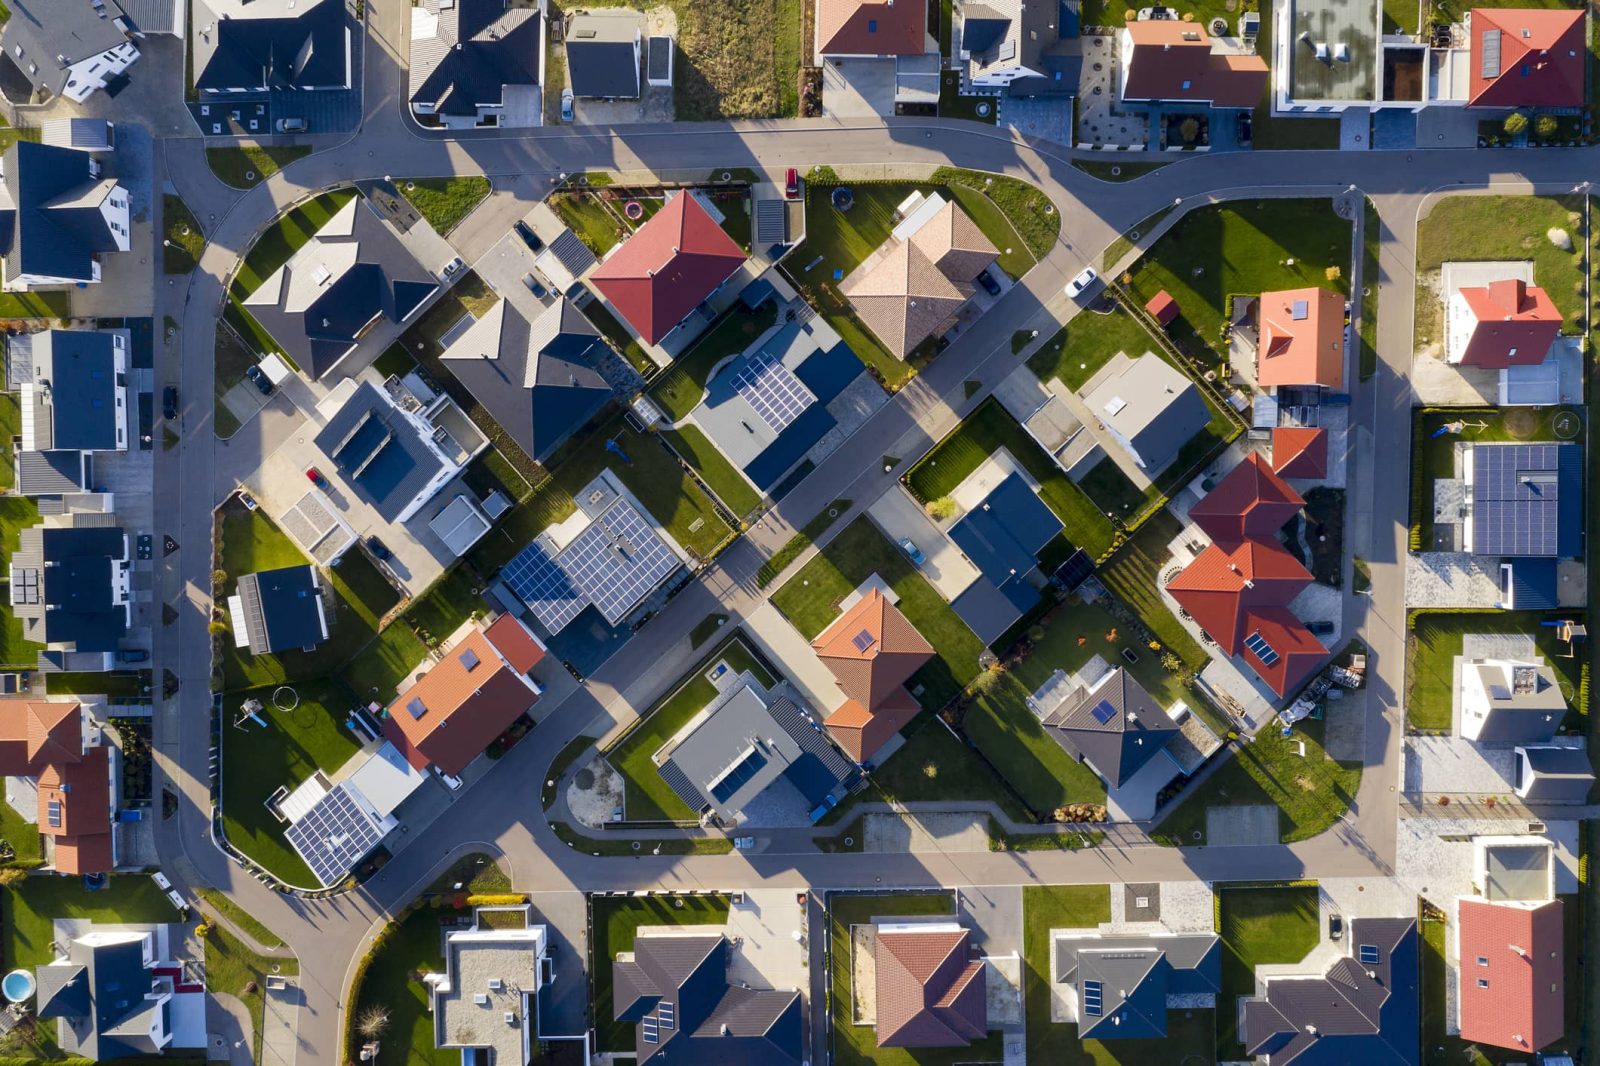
1332, 273
941, 510
12, 876
1189, 129
1515, 123
372, 1021
1546, 126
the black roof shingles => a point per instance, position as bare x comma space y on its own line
49, 227
301, 48
1133, 734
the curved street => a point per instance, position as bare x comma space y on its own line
330, 935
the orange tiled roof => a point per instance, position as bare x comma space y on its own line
36, 732
1301, 338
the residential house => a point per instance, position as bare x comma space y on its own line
72, 48
1364, 1008
1511, 943
1151, 409
50, 743
659, 277
1114, 726
1502, 324
58, 215
1169, 61
1250, 503
1300, 452
914, 286
930, 986
870, 28
1121, 985
333, 822
477, 63
675, 988
536, 378
603, 54
1508, 702
113, 996
352, 273
1013, 47
1524, 501
279, 610
1526, 57
471, 692
71, 592
72, 389
1300, 338
486, 1000
753, 743
1003, 535
872, 650
247, 46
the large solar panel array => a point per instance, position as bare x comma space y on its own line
334, 835
1516, 499
614, 564
775, 393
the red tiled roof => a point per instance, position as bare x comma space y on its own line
863, 28
1541, 62
670, 264
516, 642
930, 992
88, 854
1251, 501
79, 794
462, 707
861, 732
1301, 338
1298, 451
1296, 652
1521, 945
34, 733
1516, 325
1173, 61
1162, 307
872, 649
1220, 588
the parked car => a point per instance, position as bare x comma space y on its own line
454, 266
990, 286
534, 286
791, 184
259, 377
1321, 628
913, 552
451, 781
1246, 126
292, 125
169, 402
379, 549
1335, 926
315, 477
133, 655
566, 105
249, 501
530, 238
1081, 284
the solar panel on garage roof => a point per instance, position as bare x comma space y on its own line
333, 835
544, 586
775, 393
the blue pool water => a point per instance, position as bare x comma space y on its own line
17, 985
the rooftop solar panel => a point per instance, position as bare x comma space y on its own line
775, 393
333, 835
1517, 508
1369, 954
736, 776
1103, 712
1093, 998
545, 587
1261, 649
665, 1012
863, 640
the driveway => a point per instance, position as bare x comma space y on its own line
901, 517
858, 88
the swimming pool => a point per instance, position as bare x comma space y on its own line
17, 986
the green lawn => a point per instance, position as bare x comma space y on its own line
647, 797
1087, 343
588, 216
16, 514
614, 921
392, 981
854, 1044
680, 389
234, 970
284, 237
1435, 641
1115, 169
444, 202
377, 669
1124, 243
1259, 926
1371, 241
1028, 210
1112, 492
1132, 575
1216, 252
223, 904
980, 435
810, 600
182, 236
952, 104
797, 544
248, 166
1311, 792
1006, 731
1465, 228
33, 905
22, 835
713, 467
256, 761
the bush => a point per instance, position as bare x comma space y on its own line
1515, 123
942, 510
496, 899
1546, 126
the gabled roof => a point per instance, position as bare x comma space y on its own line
1298, 451
1115, 726
1121, 983
69, 585
1163, 307
1513, 980
671, 263
1280, 649
51, 222
75, 809
868, 28
270, 44
1251, 501
34, 733
1525, 57
930, 991
466, 699
477, 48
1301, 338
1221, 587
1515, 324
55, 35
98, 996
1174, 60
872, 649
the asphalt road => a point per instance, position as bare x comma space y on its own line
503, 812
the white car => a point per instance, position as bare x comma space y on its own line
1080, 284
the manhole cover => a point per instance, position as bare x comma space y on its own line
585, 778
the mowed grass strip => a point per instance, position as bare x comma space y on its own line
1081, 347
1259, 926
444, 202
1009, 735
1134, 574
247, 166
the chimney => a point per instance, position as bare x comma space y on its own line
724, 1030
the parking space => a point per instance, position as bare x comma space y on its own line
1243, 825
1046, 117
564, 1001
901, 519
858, 88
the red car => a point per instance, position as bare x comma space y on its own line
316, 477
791, 185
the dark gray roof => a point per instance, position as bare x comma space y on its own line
51, 223
269, 44
52, 473
1116, 727
55, 34
1527, 500
1152, 406
282, 609
1554, 775
1530, 709
687, 974
601, 55
1122, 982
98, 998
79, 369
65, 587
1365, 1009
379, 452
151, 16
482, 46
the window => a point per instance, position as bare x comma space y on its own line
1483, 982
469, 659
1483, 960
1368, 955
1187, 84
872, 25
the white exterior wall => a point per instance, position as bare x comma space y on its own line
1459, 322
88, 75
